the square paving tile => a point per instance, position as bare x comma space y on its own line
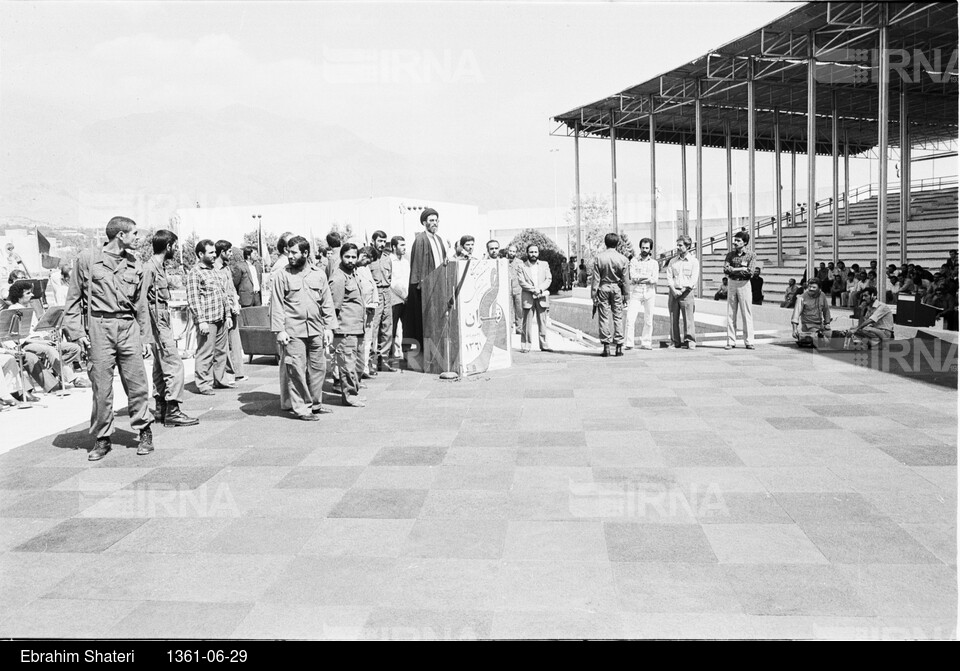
252, 535
795, 589
321, 477
349, 537
64, 618
734, 507
922, 455
380, 503
303, 622
700, 456
334, 581
538, 455
627, 542
556, 540
172, 619
480, 477
392, 624
832, 506
558, 624
658, 402
572, 586
878, 542
673, 588
467, 504
443, 584
80, 535
898, 590
409, 455
35, 477
174, 535
801, 423
273, 455
762, 544
456, 539
51, 504
180, 478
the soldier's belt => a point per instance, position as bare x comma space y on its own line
112, 315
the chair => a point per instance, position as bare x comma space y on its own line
255, 334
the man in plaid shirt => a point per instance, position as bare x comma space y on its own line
210, 305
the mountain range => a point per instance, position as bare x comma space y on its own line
62, 172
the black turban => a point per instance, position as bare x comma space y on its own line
426, 213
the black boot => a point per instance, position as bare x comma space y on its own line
606, 350
619, 350
99, 450
177, 417
160, 412
146, 441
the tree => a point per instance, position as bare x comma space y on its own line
596, 220
549, 252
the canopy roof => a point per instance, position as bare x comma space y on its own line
844, 38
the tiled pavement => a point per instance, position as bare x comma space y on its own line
773, 494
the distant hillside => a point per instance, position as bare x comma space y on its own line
153, 163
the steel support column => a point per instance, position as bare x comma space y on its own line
726, 132
653, 181
685, 224
904, 176
613, 174
778, 187
793, 187
698, 111
576, 181
846, 178
811, 154
835, 163
883, 150
752, 156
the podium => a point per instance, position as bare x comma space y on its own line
467, 317
911, 312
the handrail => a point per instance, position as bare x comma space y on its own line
916, 185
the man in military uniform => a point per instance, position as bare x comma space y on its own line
106, 288
167, 365
382, 270
610, 293
303, 316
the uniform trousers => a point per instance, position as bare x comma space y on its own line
167, 364
306, 364
610, 313
115, 343
345, 351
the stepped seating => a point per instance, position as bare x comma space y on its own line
931, 234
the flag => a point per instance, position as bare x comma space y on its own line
43, 245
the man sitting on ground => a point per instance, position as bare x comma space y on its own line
876, 321
790, 295
811, 316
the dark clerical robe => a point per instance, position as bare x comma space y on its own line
422, 263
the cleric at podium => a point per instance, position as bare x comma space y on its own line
427, 254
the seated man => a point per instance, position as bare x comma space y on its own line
721, 294
811, 315
790, 295
52, 369
876, 319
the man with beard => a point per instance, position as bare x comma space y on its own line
515, 290
739, 266
167, 365
348, 303
644, 272
303, 317
810, 315
235, 349
493, 250
107, 287
535, 280
426, 255
210, 306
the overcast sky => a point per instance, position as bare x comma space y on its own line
454, 78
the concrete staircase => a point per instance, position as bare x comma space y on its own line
931, 234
